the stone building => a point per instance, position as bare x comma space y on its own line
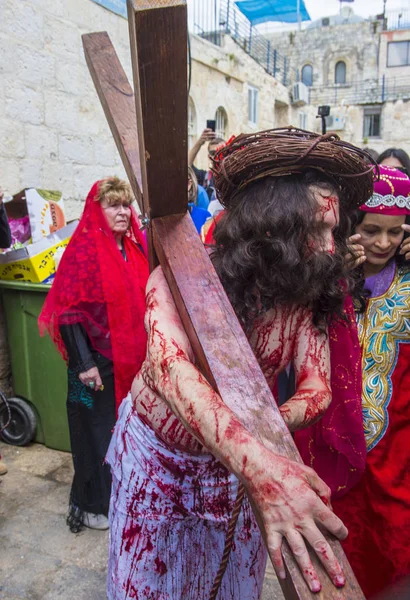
52, 128
53, 133
229, 86
361, 69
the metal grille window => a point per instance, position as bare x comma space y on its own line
307, 75
253, 94
340, 72
221, 119
398, 54
191, 123
372, 122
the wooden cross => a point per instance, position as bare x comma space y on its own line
155, 122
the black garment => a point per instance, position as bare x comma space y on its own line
81, 356
5, 233
200, 175
91, 419
202, 178
286, 385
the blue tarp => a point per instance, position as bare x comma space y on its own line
261, 11
116, 6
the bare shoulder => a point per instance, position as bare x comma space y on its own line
157, 281
162, 314
158, 294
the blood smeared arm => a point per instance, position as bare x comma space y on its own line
311, 361
286, 494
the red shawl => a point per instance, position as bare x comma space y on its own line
335, 446
96, 287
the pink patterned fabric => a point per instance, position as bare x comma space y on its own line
391, 194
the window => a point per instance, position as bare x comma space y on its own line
221, 119
307, 75
340, 72
302, 120
253, 105
191, 123
372, 122
398, 54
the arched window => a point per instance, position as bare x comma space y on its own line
307, 75
191, 123
340, 72
221, 119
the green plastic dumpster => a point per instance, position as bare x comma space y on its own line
39, 373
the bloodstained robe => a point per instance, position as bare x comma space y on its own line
377, 510
171, 499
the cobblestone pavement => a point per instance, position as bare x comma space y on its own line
39, 558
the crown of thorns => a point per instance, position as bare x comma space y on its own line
287, 151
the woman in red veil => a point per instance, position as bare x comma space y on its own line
94, 314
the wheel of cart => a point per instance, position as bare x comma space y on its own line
17, 421
39, 374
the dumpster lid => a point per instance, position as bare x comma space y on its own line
24, 285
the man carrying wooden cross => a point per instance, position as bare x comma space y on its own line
180, 458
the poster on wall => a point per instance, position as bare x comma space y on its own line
116, 6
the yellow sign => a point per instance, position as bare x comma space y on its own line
37, 268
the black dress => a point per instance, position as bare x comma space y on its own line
91, 419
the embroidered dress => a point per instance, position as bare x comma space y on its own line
377, 510
169, 514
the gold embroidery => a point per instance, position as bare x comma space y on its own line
384, 325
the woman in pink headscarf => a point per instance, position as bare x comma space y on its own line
377, 510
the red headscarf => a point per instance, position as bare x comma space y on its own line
96, 287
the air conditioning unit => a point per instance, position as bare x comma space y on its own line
335, 122
300, 93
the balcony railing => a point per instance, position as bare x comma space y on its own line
399, 19
213, 19
371, 91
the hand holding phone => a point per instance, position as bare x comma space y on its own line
207, 136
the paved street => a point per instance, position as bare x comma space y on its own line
39, 558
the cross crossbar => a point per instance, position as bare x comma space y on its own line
221, 348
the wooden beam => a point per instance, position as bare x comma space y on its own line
117, 99
158, 39
158, 47
223, 354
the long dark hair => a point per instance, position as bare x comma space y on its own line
398, 153
262, 250
359, 292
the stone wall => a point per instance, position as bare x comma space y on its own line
221, 76
363, 47
322, 47
393, 73
53, 131
52, 128
395, 125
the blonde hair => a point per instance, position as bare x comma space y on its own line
193, 192
115, 190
